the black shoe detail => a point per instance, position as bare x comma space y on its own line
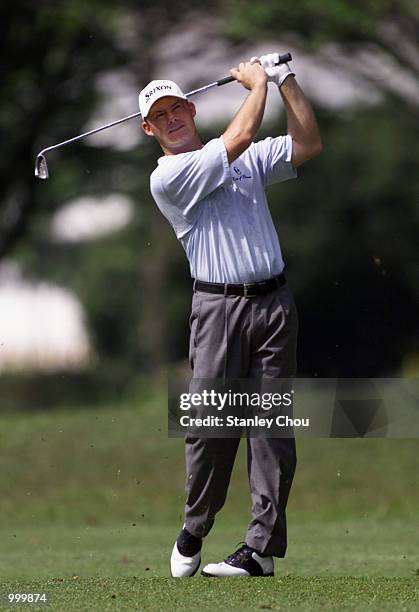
243, 559
213, 576
188, 545
197, 568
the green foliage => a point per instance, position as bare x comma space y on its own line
386, 28
49, 56
342, 21
348, 228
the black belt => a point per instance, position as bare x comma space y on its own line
247, 290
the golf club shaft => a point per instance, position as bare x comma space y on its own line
41, 159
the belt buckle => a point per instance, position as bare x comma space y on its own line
246, 290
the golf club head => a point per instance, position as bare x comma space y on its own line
41, 168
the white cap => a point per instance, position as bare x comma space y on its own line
156, 90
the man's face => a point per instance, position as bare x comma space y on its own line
171, 122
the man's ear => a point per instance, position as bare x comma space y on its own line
146, 128
192, 108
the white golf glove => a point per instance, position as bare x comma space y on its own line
276, 74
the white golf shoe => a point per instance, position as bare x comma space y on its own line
186, 555
244, 562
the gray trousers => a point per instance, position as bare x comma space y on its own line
236, 337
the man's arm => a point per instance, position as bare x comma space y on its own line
302, 124
242, 130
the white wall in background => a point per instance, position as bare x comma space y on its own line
41, 325
89, 218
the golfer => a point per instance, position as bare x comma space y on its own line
243, 321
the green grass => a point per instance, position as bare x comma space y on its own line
92, 500
94, 466
317, 548
342, 565
287, 593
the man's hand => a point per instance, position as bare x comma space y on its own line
276, 74
243, 128
250, 75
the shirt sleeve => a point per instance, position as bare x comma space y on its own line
181, 183
274, 159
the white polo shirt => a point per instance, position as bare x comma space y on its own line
219, 211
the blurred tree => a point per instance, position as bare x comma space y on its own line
351, 226
349, 231
50, 56
49, 53
388, 26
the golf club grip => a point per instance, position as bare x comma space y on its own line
283, 59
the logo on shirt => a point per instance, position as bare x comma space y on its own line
240, 175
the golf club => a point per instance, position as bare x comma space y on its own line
41, 168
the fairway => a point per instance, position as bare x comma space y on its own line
342, 565
94, 502
288, 593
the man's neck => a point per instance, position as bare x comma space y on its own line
187, 148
